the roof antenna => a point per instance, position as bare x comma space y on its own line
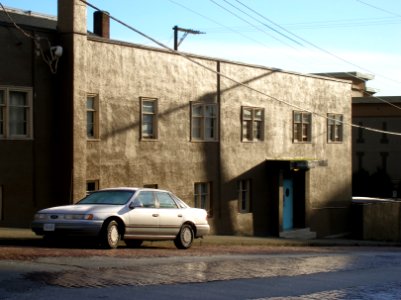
186, 32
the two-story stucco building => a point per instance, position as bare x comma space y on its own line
263, 150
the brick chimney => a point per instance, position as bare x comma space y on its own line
101, 24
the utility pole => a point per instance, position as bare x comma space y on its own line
186, 32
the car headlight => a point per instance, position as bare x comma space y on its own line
40, 216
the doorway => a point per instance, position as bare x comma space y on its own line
288, 204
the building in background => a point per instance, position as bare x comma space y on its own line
262, 161
376, 156
31, 142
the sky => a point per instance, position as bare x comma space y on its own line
305, 36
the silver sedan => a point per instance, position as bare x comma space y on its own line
131, 214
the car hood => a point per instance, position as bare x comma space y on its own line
81, 209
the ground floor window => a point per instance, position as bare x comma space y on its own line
91, 186
244, 195
151, 186
202, 196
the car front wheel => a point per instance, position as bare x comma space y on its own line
111, 235
185, 237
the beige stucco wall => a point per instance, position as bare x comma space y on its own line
330, 187
121, 73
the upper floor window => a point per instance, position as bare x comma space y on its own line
15, 113
148, 118
92, 117
360, 139
302, 127
252, 124
244, 195
204, 122
384, 139
334, 128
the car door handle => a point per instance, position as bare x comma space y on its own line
180, 216
155, 215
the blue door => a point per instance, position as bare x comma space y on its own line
288, 207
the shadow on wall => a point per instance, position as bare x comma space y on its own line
221, 207
378, 184
333, 217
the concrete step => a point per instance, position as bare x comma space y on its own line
298, 233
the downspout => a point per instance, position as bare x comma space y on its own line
218, 96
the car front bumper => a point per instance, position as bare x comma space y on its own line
75, 228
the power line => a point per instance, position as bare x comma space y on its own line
236, 81
48, 56
379, 8
229, 28
319, 48
244, 20
220, 24
316, 25
271, 28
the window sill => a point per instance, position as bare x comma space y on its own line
204, 141
335, 142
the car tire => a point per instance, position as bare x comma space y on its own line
185, 237
111, 235
133, 243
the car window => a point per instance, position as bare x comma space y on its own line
147, 199
108, 198
165, 200
180, 203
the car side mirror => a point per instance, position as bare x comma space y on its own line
135, 204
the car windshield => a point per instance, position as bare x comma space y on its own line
108, 198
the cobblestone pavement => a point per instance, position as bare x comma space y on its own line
270, 272
203, 269
294, 269
390, 291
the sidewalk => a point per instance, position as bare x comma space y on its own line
7, 233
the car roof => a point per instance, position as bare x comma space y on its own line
133, 189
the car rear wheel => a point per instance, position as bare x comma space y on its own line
185, 237
111, 235
133, 243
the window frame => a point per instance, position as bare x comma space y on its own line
5, 108
244, 186
155, 118
198, 196
95, 111
299, 135
335, 128
204, 121
251, 126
